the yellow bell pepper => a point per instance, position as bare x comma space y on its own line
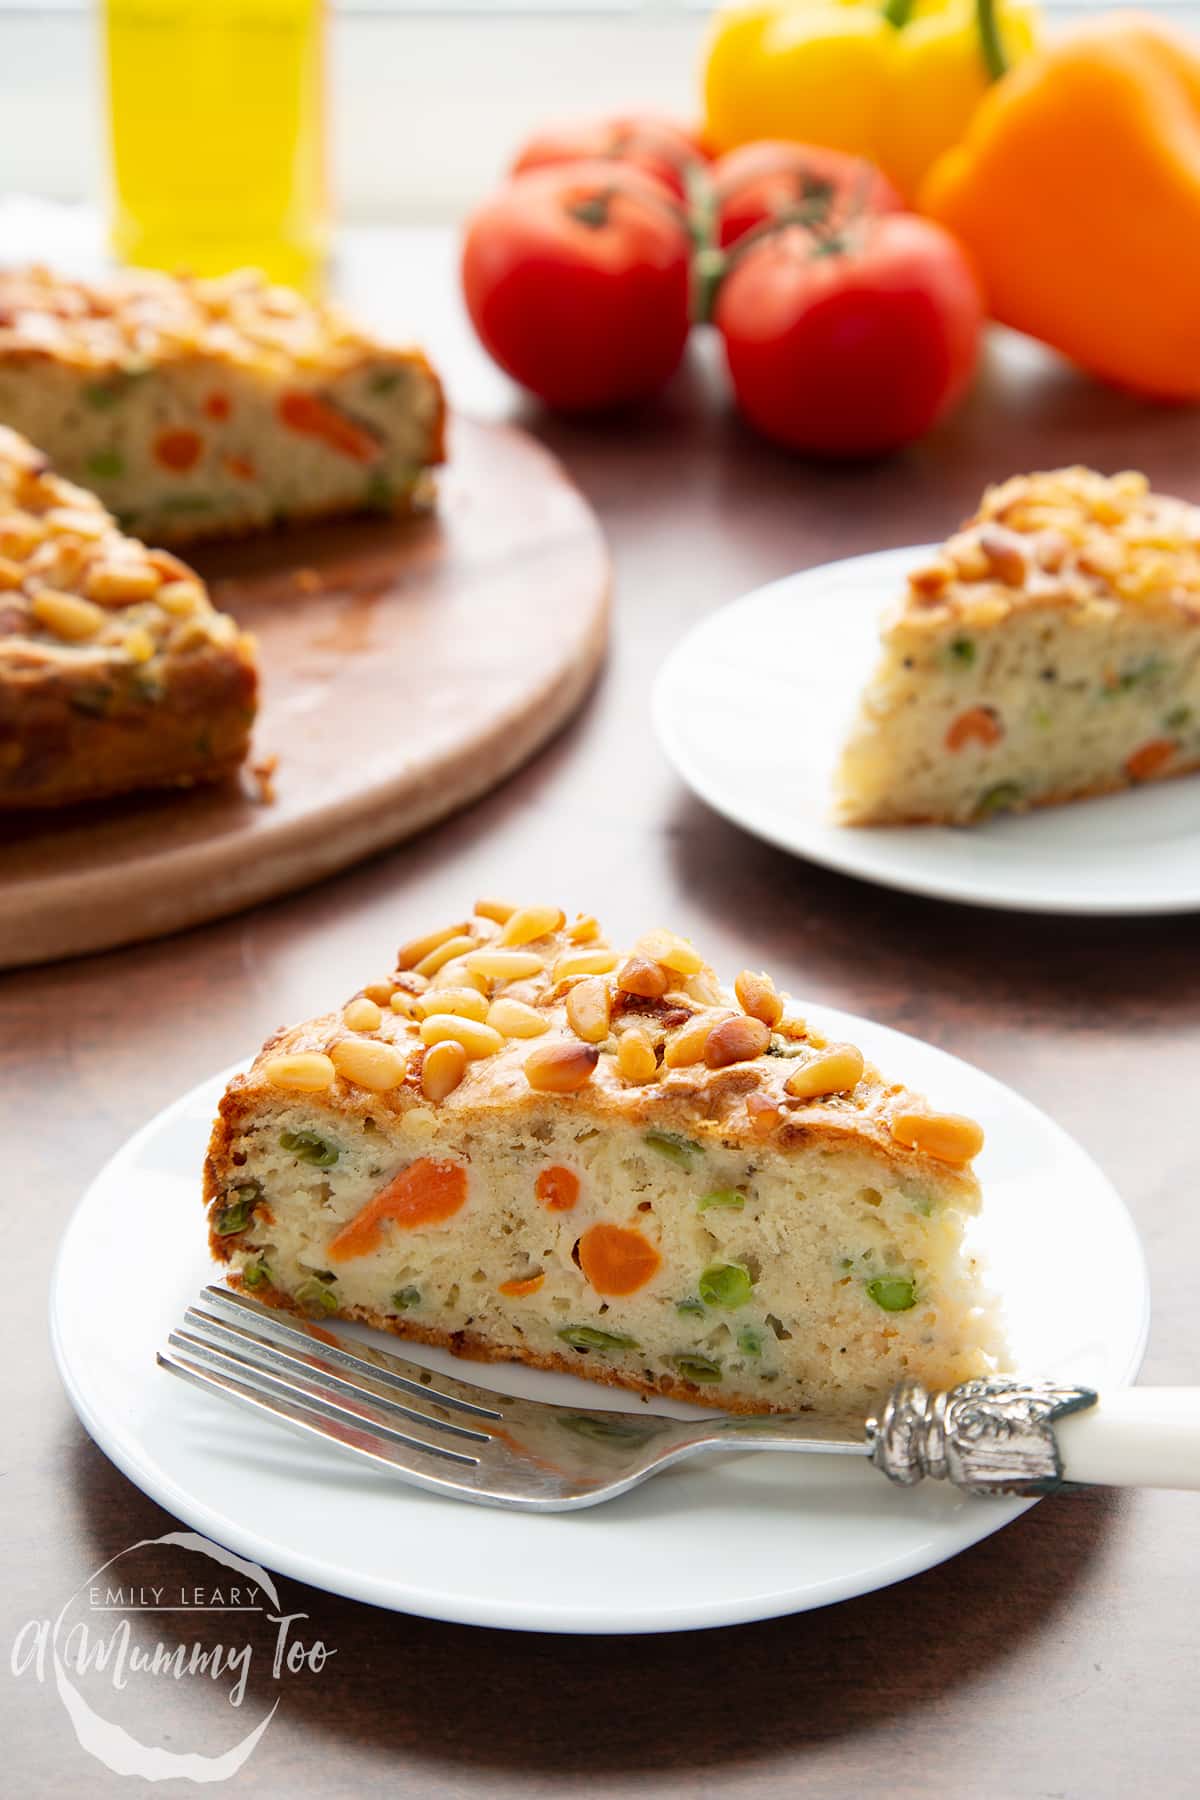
896, 83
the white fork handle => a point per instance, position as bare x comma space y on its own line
1134, 1437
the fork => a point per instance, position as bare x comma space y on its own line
1003, 1435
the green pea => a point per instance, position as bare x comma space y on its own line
406, 1298
586, 1337
316, 1298
100, 395
697, 1368
307, 1147
749, 1341
726, 1284
691, 1308
1178, 718
676, 1149
384, 381
255, 1275
1001, 798
105, 463
724, 1197
894, 1293
233, 1217
960, 652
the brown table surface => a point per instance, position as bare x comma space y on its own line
1058, 1658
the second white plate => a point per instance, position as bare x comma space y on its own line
753, 707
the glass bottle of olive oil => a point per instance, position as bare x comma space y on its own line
217, 123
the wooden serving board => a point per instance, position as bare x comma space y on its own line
408, 667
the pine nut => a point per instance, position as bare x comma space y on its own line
498, 910
139, 645
832, 1071
584, 930
512, 1018
456, 974
304, 1071
585, 962
415, 951
636, 1060
66, 615
403, 1003
369, 1063
648, 980
505, 965
665, 947
686, 1046
181, 598
531, 922
444, 953
120, 584
467, 1002
476, 1038
737, 1040
589, 1009
560, 1067
442, 1068
12, 574
362, 1014
757, 996
380, 992
949, 1137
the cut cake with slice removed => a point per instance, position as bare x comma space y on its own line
195, 408
526, 1145
115, 671
1050, 651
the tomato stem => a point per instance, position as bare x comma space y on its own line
898, 12
712, 265
991, 42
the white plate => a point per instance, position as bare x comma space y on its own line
737, 1538
753, 708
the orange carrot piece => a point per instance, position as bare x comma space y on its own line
519, 1289
425, 1193
178, 450
218, 406
1148, 760
617, 1259
978, 725
557, 1188
313, 417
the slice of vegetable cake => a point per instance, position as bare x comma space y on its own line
115, 671
1050, 651
195, 408
527, 1145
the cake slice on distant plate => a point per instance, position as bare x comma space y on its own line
525, 1144
116, 672
1049, 651
195, 408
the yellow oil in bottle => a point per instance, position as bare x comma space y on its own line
217, 121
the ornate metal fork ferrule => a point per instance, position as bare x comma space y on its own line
991, 1436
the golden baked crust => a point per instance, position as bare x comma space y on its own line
115, 670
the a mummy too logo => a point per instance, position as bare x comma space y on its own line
170, 1661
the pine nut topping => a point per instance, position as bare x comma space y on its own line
737, 1040
415, 951
512, 1018
648, 980
589, 1009
119, 584
66, 615
584, 929
476, 1038
139, 645
456, 974
664, 947
636, 1061
949, 1137
181, 598
442, 1068
531, 922
467, 1002
505, 965
362, 1014
369, 1063
757, 996
585, 962
444, 953
560, 1067
498, 910
686, 1046
380, 992
403, 1003
304, 1071
834, 1070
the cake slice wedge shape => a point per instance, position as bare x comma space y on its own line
116, 671
524, 1144
197, 408
1050, 651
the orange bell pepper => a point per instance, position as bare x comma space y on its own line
1076, 192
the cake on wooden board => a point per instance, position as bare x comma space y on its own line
197, 408
115, 670
1049, 651
525, 1144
